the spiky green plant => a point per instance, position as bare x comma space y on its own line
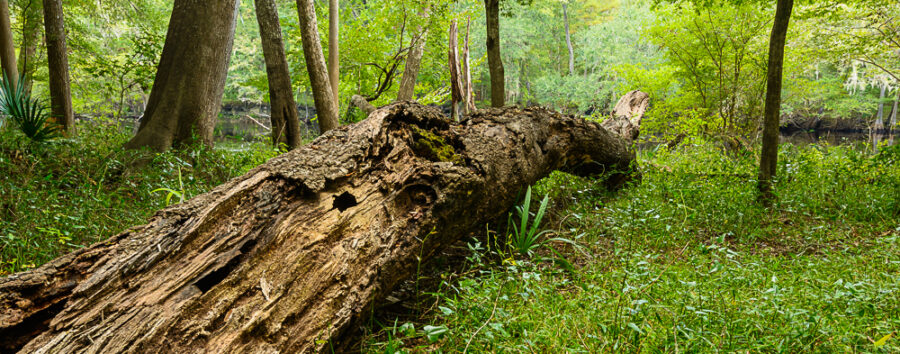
27, 113
524, 238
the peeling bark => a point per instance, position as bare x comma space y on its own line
288, 256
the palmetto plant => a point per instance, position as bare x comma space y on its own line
27, 113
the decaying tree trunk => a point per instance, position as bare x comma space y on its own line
288, 256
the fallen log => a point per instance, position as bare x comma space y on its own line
288, 256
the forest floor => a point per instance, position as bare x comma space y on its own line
684, 260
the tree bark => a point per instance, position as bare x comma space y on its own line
893, 122
31, 37
456, 89
411, 70
569, 40
290, 255
190, 79
58, 64
879, 118
334, 64
285, 117
495, 62
323, 95
467, 96
7, 47
769, 156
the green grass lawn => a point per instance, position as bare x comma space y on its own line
682, 261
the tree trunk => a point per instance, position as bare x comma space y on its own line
455, 77
187, 93
323, 95
287, 257
769, 156
569, 40
58, 63
285, 118
879, 118
495, 62
31, 38
411, 70
468, 100
893, 121
7, 47
334, 64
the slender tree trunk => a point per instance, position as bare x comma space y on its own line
893, 123
190, 79
58, 63
31, 37
468, 100
495, 62
323, 95
289, 256
285, 118
411, 70
7, 47
569, 40
456, 89
769, 157
879, 119
334, 64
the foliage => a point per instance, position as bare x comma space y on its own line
524, 238
685, 261
27, 113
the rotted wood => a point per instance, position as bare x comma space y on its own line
287, 257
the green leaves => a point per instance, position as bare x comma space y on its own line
28, 114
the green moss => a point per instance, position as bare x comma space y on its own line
434, 147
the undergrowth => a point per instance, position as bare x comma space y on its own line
68, 193
685, 261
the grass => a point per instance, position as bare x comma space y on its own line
683, 261
68, 193
686, 262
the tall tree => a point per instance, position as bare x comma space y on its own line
495, 62
323, 95
879, 118
190, 78
7, 48
31, 39
893, 122
456, 82
334, 38
413, 62
565, 7
466, 74
58, 62
772, 119
285, 118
